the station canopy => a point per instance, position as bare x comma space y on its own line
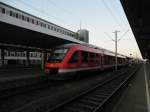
138, 14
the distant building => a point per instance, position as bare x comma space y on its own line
83, 35
12, 57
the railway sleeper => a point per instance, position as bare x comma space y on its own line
99, 96
79, 107
89, 101
92, 99
103, 94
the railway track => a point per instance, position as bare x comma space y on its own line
84, 101
93, 99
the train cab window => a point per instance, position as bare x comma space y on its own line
74, 58
84, 57
57, 55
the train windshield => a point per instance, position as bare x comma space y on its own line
57, 55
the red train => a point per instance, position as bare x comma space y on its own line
73, 58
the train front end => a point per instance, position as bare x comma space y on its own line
55, 62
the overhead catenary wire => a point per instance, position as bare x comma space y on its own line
118, 14
123, 35
112, 14
109, 36
61, 8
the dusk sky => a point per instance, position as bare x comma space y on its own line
100, 17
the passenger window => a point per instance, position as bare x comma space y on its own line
92, 57
84, 57
74, 58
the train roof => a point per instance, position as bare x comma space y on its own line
102, 50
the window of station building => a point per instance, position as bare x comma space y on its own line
35, 54
31, 54
27, 19
10, 13
44, 25
19, 16
3, 10
7, 12
84, 57
5, 53
12, 53
41, 24
49, 27
37, 22
74, 57
52, 28
32, 21
22, 17
18, 54
13, 14
16, 15
40, 55
23, 54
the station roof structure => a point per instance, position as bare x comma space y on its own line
138, 15
20, 29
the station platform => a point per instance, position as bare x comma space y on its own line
17, 77
136, 98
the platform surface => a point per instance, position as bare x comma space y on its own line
18, 77
136, 96
19, 73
